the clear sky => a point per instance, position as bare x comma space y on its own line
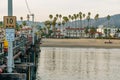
42, 8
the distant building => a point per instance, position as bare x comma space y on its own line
74, 32
59, 34
100, 29
26, 30
109, 30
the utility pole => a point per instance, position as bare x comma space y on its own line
10, 47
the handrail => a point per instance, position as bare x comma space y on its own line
1, 53
15, 57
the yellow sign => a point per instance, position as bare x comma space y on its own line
9, 21
5, 44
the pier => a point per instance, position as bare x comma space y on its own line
19, 50
25, 56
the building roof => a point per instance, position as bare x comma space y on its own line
70, 28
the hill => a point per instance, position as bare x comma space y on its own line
114, 21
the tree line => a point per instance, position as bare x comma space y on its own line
75, 21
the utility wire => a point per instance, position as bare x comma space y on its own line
27, 6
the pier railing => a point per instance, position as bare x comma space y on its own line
25, 57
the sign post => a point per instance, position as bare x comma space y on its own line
10, 23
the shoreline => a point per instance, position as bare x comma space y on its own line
88, 43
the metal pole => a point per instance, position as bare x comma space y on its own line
33, 41
10, 48
10, 8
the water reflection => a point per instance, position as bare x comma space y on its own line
79, 64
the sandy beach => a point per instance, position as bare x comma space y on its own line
98, 43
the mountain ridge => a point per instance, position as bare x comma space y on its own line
114, 21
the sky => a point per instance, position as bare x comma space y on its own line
43, 8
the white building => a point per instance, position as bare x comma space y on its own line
101, 29
109, 30
74, 32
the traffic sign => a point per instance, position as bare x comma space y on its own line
10, 34
9, 21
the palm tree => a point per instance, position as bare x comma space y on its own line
86, 30
54, 24
24, 23
72, 18
92, 32
88, 19
51, 17
108, 18
77, 23
57, 19
65, 19
63, 23
89, 13
57, 15
80, 16
105, 31
84, 18
75, 17
59, 24
96, 18
69, 16
47, 24
21, 18
60, 16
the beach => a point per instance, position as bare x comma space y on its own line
98, 43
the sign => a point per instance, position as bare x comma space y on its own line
9, 21
10, 34
5, 44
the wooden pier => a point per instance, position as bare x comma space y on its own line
25, 59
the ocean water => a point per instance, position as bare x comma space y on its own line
58, 63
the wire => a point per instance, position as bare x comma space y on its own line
27, 6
